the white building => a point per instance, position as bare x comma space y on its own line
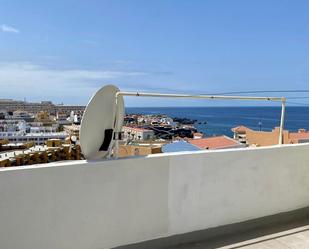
62, 119
135, 133
12, 105
22, 115
12, 125
37, 138
43, 129
19, 131
168, 121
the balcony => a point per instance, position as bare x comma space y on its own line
171, 197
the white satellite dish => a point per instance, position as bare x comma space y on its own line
103, 117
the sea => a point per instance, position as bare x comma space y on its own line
213, 121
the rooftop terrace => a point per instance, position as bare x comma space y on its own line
112, 203
181, 199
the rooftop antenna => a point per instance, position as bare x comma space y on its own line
103, 118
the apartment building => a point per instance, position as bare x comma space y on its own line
37, 138
268, 138
13, 105
136, 133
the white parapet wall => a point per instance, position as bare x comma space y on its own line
104, 204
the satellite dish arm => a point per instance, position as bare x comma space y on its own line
117, 133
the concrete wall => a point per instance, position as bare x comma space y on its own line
110, 203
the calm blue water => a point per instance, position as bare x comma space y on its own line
220, 120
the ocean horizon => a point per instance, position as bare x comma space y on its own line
219, 120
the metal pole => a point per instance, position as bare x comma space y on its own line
116, 150
282, 121
168, 95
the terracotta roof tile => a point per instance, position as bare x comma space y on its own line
214, 142
241, 128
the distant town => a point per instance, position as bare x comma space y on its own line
34, 133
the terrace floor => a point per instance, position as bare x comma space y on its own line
297, 238
282, 231
294, 235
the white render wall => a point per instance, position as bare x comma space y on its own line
105, 204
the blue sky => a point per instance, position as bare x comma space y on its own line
64, 50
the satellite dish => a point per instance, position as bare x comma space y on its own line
101, 119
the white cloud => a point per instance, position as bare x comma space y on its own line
9, 29
29, 72
32, 80
39, 82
